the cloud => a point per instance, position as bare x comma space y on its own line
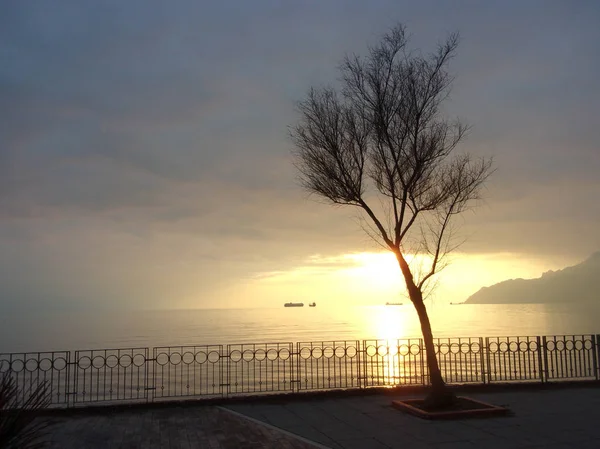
144, 147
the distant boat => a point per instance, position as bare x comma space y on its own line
293, 304
393, 303
312, 304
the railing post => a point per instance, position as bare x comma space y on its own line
147, 376
396, 370
359, 374
543, 356
151, 374
486, 360
482, 360
424, 372
71, 380
488, 369
363, 350
295, 374
596, 354
541, 345
226, 392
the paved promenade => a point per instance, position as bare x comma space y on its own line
188, 427
551, 419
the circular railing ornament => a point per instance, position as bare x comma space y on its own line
260, 355
175, 358
305, 353
248, 355
31, 365
112, 361
162, 359
45, 365
84, 362
139, 360
284, 354
272, 354
213, 356
200, 357
98, 362
125, 361
187, 358
59, 364
4, 365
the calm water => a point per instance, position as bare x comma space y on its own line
220, 326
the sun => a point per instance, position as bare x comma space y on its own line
376, 265
383, 266
379, 271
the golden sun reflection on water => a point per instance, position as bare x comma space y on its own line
390, 356
390, 322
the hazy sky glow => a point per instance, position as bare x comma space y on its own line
144, 158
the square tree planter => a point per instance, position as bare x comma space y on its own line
463, 408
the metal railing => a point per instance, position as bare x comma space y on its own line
130, 375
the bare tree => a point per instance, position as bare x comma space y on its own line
381, 139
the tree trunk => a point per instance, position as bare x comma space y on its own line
439, 397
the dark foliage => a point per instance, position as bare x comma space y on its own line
20, 424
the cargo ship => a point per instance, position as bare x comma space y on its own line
293, 304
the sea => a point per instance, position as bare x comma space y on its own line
62, 331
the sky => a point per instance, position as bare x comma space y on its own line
145, 159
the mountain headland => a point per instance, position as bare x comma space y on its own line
576, 284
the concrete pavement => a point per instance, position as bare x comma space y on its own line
185, 427
551, 419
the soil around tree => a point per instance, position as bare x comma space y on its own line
461, 408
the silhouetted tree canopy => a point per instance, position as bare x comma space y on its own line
381, 138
